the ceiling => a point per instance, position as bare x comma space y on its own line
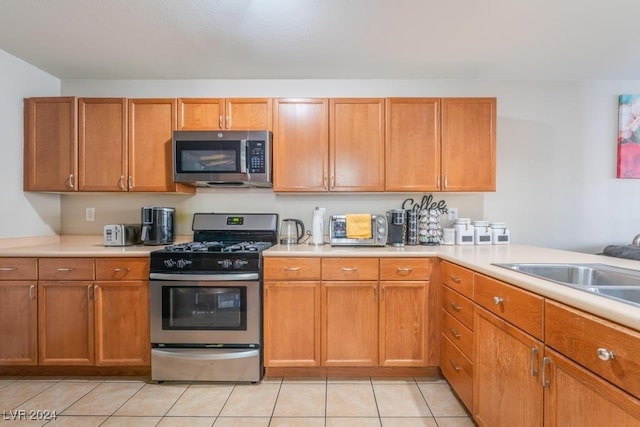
291, 39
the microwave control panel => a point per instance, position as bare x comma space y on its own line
257, 156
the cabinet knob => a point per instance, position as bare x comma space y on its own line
455, 365
455, 279
455, 333
455, 306
606, 355
498, 300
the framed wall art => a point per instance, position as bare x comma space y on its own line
628, 136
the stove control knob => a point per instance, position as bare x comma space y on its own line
225, 263
239, 263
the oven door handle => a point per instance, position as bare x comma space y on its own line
204, 277
208, 355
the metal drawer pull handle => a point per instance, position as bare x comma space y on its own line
117, 270
604, 354
498, 300
31, 293
455, 365
455, 306
455, 279
405, 269
292, 268
455, 333
65, 269
532, 362
8, 268
349, 269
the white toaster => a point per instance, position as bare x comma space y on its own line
121, 234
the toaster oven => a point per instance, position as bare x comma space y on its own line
338, 235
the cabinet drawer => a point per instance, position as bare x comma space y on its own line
18, 268
457, 278
350, 269
458, 306
122, 269
405, 268
458, 370
65, 268
291, 268
517, 306
586, 338
459, 334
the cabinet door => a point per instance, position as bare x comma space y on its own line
356, 144
403, 323
200, 113
122, 323
576, 397
249, 113
18, 323
507, 390
51, 144
349, 323
469, 144
300, 144
151, 125
102, 144
412, 144
65, 323
292, 324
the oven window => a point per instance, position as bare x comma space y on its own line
204, 308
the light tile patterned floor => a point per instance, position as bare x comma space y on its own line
122, 401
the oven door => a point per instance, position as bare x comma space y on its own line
205, 313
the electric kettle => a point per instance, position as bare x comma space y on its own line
291, 231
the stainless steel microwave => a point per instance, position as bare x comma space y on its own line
222, 158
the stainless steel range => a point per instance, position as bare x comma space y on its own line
205, 300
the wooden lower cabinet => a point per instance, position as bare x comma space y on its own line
65, 323
122, 323
507, 390
291, 323
576, 397
349, 328
18, 323
403, 331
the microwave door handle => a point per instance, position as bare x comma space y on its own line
243, 156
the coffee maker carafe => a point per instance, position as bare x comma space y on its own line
157, 226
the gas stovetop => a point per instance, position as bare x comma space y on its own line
223, 243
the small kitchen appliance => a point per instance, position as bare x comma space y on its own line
158, 224
121, 234
291, 231
205, 300
376, 225
397, 220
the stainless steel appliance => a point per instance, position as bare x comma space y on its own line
397, 220
121, 234
338, 232
222, 158
291, 231
158, 226
205, 300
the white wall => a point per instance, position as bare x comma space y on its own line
556, 159
22, 214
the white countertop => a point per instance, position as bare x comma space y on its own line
481, 258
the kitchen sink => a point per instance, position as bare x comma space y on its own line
613, 282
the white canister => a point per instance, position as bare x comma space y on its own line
500, 233
482, 233
449, 236
464, 231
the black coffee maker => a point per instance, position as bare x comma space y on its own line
397, 223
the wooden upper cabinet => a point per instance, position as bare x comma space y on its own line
469, 144
102, 144
51, 144
230, 113
412, 144
356, 144
300, 144
151, 126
